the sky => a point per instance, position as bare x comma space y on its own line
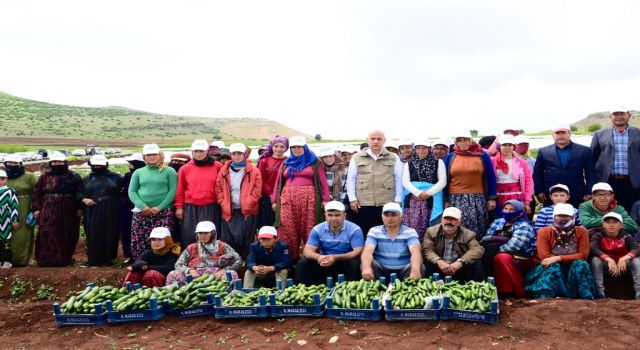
338, 68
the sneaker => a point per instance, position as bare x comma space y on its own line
6, 265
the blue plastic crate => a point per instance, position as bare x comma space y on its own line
373, 314
99, 318
429, 314
204, 309
490, 317
154, 313
315, 310
259, 311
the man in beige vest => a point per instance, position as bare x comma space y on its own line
374, 178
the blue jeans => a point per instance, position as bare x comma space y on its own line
600, 267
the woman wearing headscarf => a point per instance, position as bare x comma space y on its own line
196, 194
178, 160
471, 183
207, 256
56, 209
238, 188
509, 246
300, 194
513, 176
562, 269
336, 172
405, 149
152, 190
23, 183
424, 177
269, 165
124, 219
99, 194
152, 267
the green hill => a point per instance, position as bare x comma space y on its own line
602, 118
27, 119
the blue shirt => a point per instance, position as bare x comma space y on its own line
392, 254
545, 218
620, 157
349, 237
278, 256
564, 154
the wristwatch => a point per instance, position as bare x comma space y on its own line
462, 261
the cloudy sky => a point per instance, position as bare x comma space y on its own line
338, 68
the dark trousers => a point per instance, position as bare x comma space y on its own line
5, 251
309, 272
468, 272
368, 217
624, 191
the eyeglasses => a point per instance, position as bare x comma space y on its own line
602, 195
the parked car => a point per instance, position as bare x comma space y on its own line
44, 153
78, 153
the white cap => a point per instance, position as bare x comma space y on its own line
563, 209
405, 143
237, 147
391, 143
612, 214
334, 205
522, 139
619, 109
601, 186
200, 145
462, 133
205, 226
345, 149
392, 207
57, 157
421, 143
297, 141
506, 138
160, 232
564, 187
561, 127
267, 232
3, 173
219, 144
452, 212
445, 142
135, 156
98, 159
13, 158
150, 148
326, 151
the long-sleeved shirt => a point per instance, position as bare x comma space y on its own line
161, 263
547, 240
152, 188
269, 169
206, 256
304, 178
545, 218
592, 217
522, 240
352, 176
278, 256
196, 184
437, 187
604, 246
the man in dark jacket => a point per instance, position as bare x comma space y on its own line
268, 260
564, 162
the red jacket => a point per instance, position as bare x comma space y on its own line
250, 191
196, 184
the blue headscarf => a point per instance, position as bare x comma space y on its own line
516, 215
297, 163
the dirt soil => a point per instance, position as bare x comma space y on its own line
26, 323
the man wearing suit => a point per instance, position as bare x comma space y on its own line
564, 162
616, 152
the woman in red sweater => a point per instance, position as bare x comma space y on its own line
269, 165
300, 194
195, 199
562, 269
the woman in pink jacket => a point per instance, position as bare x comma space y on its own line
513, 175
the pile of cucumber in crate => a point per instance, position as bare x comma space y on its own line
425, 299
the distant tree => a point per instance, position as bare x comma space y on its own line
574, 128
474, 133
521, 131
318, 137
594, 127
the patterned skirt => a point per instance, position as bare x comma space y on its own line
180, 278
297, 217
474, 211
418, 215
571, 280
141, 227
505, 192
149, 278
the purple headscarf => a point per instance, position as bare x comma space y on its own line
269, 152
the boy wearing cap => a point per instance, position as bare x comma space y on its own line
392, 248
452, 250
616, 249
558, 193
8, 220
268, 259
333, 248
603, 202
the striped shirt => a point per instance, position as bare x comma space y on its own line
392, 254
545, 218
349, 237
620, 157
